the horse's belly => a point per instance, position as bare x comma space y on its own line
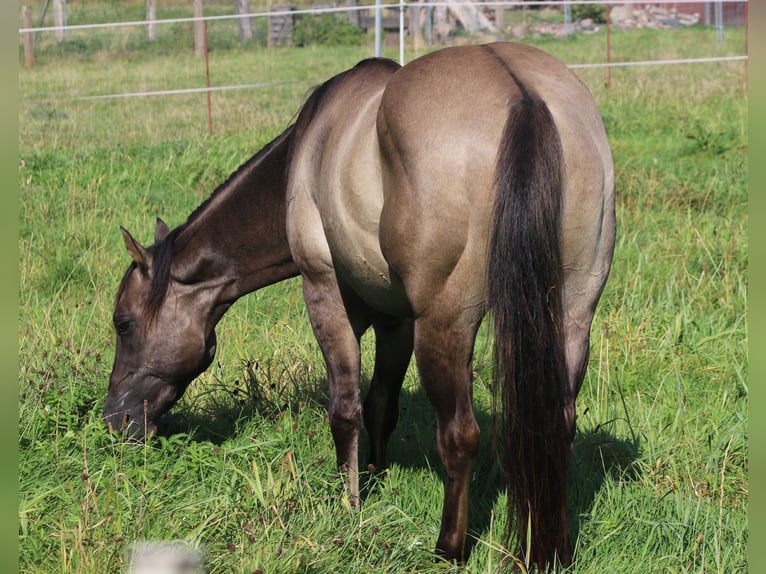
366, 272
350, 214
334, 217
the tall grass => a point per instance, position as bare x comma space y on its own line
245, 467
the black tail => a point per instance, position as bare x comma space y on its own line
525, 297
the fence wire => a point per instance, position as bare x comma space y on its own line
400, 8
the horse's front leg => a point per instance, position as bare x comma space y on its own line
338, 339
393, 351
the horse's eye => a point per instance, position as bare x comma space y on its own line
122, 326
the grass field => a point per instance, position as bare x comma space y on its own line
245, 468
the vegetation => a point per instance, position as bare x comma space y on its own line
595, 12
244, 468
327, 29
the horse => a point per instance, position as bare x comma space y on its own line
416, 199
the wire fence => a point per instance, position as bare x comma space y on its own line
403, 6
407, 27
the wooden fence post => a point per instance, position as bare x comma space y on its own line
59, 19
199, 30
29, 37
242, 7
280, 26
151, 17
416, 26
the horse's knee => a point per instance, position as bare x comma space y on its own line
345, 420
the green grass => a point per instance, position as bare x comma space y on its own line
246, 471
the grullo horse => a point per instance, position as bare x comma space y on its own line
413, 200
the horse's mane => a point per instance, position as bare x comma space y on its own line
163, 251
235, 175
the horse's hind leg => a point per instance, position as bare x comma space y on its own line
393, 351
444, 351
577, 353
581, 295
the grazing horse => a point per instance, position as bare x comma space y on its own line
413, 200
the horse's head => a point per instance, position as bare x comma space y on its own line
165, 337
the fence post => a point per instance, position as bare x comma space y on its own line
29, 37
747, 49
59, 19
416, 26
353, 15
378, 29
242, 7
151, 17
199, 30
567, 18
207, 80
718, 22
401, 32
608, 49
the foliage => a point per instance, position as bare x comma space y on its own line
326, 29
244, 467
596, 12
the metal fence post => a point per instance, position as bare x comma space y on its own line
401, 32
378, 29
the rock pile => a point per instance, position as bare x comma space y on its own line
625, 17
629, 16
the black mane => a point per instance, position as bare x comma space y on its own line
163, 251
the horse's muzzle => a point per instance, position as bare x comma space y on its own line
135, 428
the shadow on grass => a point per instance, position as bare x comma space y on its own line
263, 390
598, 454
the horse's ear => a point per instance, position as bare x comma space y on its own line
161, 231
137, 251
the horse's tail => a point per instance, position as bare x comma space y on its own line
525, 297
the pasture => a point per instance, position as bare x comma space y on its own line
244, 469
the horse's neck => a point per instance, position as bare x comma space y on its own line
237, 240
